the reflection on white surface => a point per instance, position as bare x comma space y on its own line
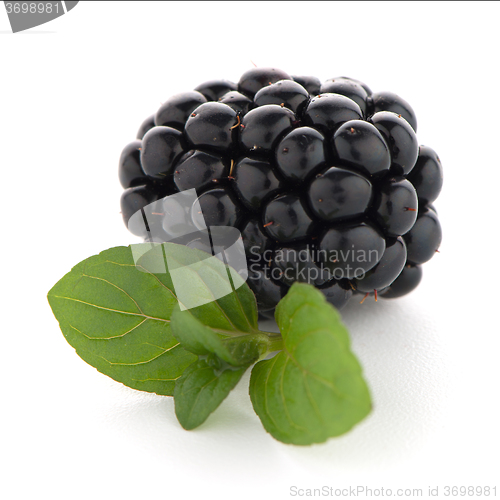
402, 358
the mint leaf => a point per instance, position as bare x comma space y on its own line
224, 357
314, 388
118, 320
198, 276
115, 310
233, 347
202, 388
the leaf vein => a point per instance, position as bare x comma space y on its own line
117, 287
111, 310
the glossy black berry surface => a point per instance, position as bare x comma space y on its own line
130, 170
387, 270
350, 249
347, 87
424, 238
389, 101
258, 247
296, 263
200, 169
175, 111
360, 145
239, 102
396, 206
146, 125
285, 93
427, 175
300, 153
262, 127
211, 126
326, 112
406, 282
254, 181
400, 138
254, 79
323, 181
218, 208
311, 83
132, 201
338, 194
214, 89
267, 291
286, 219
161, 148
337, 292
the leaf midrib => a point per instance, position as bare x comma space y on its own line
141, 315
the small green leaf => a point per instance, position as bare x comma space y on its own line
314, 388
233, 347
223, 359
118, 320
115, 310
197, 276
202, 388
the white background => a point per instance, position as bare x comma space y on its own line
73, 93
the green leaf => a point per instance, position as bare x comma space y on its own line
198, 275
115, 310
223, 360
118, 320
202, 388
314, 388
199, 339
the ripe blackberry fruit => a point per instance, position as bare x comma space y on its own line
325, 182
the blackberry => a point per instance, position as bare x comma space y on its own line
286, 219
396, 206
388, 101
400, 138
239, 102
161, 147
210, 125
326, 112
133, 200
300, 153
214, 89
262, 127
146, 125
424, 238
285, 93
406, 282
360, 145
219, 207
296, 263
129, 168
388, 268
175, 111
267, 291
427, 175
199, 169
324, 181
349, 250
254, 181
310, 83
256, 243
339, 194
348, 87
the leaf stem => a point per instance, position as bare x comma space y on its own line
275, 343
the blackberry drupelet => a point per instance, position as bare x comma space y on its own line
324, 180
